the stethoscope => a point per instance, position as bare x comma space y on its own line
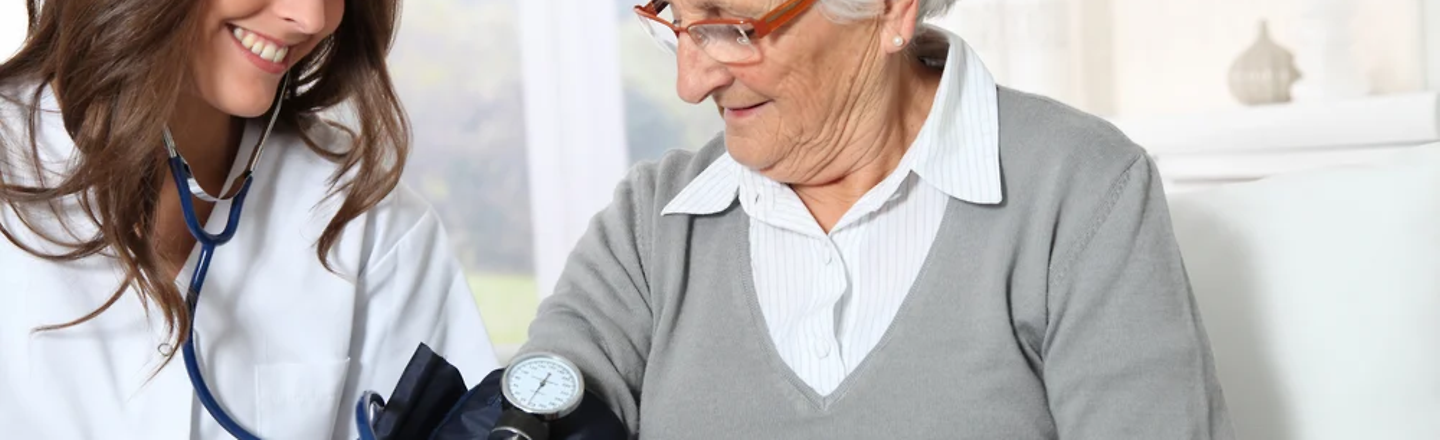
189, 189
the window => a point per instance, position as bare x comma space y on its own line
524, 123
656, 120
462, 88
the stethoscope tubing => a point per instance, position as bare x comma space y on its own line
208, 243
188, 190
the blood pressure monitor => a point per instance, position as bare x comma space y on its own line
538, 388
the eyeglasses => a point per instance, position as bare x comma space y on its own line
726, 40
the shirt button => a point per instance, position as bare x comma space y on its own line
822, 350
829, 257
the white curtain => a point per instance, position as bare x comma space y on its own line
1042, 46
574, 117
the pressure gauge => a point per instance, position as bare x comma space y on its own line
543, 384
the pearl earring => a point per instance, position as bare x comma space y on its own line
899, 41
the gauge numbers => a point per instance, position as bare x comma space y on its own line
543, 384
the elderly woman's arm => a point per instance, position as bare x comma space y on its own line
1125, 354
600, 314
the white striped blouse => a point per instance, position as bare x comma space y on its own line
828, 299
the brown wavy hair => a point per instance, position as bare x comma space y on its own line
115, 100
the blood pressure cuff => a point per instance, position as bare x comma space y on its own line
428, 388
478, 410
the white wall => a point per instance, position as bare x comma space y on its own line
1142, 57
1174, 55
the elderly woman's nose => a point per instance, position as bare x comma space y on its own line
698, 74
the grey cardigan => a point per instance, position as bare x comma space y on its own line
1062, 313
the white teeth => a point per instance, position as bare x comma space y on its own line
261, 47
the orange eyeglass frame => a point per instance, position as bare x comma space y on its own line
760, 27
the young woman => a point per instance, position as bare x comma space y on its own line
130, 128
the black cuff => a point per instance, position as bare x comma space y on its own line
480, 409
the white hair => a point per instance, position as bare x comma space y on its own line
855, 10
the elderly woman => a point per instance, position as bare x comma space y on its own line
883, 244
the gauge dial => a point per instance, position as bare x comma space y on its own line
543, 384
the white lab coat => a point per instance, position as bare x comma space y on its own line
284, 344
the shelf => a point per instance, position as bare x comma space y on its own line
1204, 150
1395, 120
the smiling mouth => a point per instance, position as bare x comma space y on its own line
737, 113
264, 48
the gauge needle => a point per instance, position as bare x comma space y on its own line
537, 389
